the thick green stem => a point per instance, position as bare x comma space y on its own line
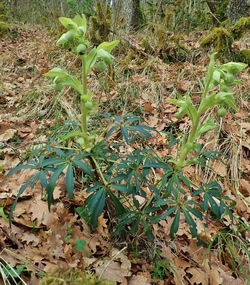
104, 181
83, 111
186, 148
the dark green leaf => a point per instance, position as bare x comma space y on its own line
205, 202
119, 177
20, 167
43, 179
97, 205
83, 166
195, 212
156, 165
120, 187
125, 134
95, 187
52, 183
175, 224
191, 223
60, 153
169, 212
169, 187
131, 120
111, 131
53, 161
135, 226
142, 130
197, 192
118, 205
70, 181
160, 202
214, 207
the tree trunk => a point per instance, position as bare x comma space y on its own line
136, 15
238, 9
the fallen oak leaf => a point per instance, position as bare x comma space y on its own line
7, 135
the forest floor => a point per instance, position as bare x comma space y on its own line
31, 112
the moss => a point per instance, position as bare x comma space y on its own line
100, 24
2, 9
4, 29
240, 27
4, 14
221, 39
146, 45
161, 37
3, 18
72, 276
169, 19
243, 56
238, 9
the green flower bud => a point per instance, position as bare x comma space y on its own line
103, 55
88, 105
57, 87
216, 78
101, 66
81, 49
81, 31
221, 112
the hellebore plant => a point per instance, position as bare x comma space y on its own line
122, 177
221, 77
99, 56
101, 166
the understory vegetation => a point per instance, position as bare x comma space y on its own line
124, 154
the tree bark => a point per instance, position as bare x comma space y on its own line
136, 15
238, 9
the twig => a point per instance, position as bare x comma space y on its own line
107, 265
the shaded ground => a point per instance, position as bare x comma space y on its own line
31, 112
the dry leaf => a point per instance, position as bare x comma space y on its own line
8, 134
138, 280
